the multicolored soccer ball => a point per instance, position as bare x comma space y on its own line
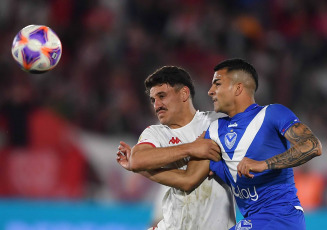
36, 48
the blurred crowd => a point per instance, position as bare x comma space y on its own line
111, 46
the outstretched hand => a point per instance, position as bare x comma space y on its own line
248, 165
205, 149
123, 155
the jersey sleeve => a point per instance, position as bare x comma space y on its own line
282, 117
216, 166
212, 115
148, 136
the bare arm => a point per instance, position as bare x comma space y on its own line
146, 157
186, 180
305, 147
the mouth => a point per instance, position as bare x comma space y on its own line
161, 111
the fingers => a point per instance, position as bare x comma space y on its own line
124, 145
216, 148
245, 173
206, 149
215, 152
211, 175
124, 148
121, 148
214, 155
120, 156
244, 169
248, 174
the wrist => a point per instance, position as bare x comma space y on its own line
189, 150
266, 165
186, 150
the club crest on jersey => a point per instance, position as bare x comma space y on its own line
230, 139
243, 225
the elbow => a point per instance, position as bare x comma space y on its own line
189, 186
193, 180
319, 148
188, 189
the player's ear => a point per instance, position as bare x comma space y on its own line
185, 92
239, 88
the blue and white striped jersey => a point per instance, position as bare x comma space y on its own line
256, 133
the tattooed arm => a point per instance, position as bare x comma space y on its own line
305, 147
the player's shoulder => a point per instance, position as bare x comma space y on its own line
277, 109
157, 127
152, 134
276, 106
210, 115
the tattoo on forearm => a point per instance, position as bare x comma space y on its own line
306, 147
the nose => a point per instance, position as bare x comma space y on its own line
211, 91
157, 104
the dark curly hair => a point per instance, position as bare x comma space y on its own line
172, 75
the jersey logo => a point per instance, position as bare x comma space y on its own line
230, 139
174, 140
243, 225
245, 193
233, 125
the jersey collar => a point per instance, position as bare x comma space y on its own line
253, 106
239, 115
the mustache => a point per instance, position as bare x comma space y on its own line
160, 108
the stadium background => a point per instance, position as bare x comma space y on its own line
59, 131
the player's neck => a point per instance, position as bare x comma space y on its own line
241, 106
184, 118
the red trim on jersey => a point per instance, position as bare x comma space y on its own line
149, 143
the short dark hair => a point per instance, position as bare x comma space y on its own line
172, 75
239, 64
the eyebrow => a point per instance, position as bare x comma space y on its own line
158, 94
215, 80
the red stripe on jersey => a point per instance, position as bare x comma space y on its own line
149, 143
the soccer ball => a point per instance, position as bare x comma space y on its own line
36, 48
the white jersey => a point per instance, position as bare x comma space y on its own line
211, 205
